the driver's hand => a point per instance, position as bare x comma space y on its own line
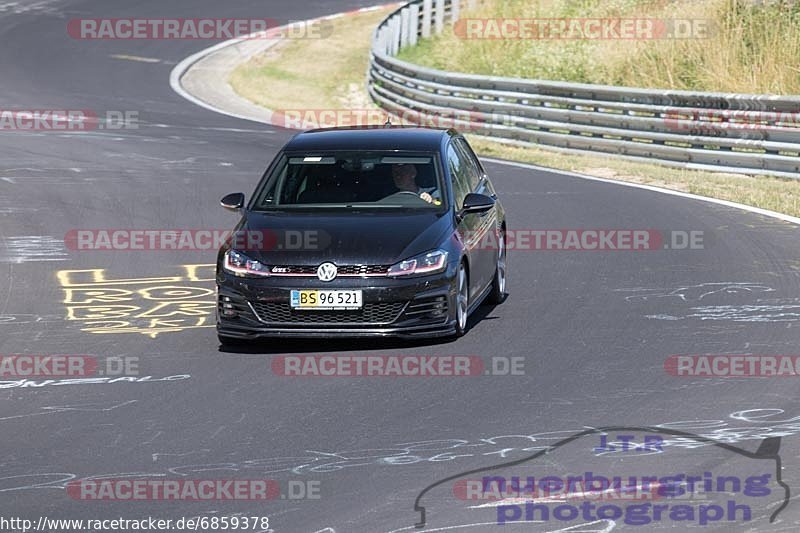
427, 197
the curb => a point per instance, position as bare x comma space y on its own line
202, 77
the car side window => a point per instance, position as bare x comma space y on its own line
472, 166
458, 171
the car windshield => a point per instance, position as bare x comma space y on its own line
352, 180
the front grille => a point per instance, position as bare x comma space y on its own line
371, 313
362, 270
345, 270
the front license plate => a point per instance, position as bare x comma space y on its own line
326, 300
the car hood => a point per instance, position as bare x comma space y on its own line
365, 238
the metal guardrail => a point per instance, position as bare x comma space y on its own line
742, 133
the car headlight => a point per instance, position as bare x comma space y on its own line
427, 263
239, 264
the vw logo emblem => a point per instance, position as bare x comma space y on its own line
326, 272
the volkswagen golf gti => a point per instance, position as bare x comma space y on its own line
363, 232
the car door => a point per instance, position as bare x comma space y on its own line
484, 253
468, 225
465, 224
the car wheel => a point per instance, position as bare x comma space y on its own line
498, 294
232, 341
462, 300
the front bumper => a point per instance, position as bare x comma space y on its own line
392, 307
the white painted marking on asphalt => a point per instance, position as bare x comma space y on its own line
139, 59
726, 203
32, 248
699, 291
608, 525
49, 410
739, 313
208, 128
18, 8
30, 384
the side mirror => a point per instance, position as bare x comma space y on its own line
233, 201
477, 203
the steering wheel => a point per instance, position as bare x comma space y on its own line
398, 193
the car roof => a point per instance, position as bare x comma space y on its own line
370, 138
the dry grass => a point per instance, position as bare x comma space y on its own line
316, 74
753, 46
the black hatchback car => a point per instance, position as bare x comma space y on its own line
363, 232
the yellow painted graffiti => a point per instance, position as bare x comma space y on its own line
149, 306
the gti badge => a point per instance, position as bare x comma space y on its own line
326, 272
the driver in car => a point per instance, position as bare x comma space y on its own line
404, 176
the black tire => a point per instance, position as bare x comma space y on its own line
499, 282
462, 300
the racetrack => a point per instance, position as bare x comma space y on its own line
594, 328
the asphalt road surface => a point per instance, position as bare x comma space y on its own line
593, 328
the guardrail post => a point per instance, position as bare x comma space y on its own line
439, 14
427, 9
383, 40
413, 24
404, 14
395, 36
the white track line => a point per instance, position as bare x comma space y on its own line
726, 203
